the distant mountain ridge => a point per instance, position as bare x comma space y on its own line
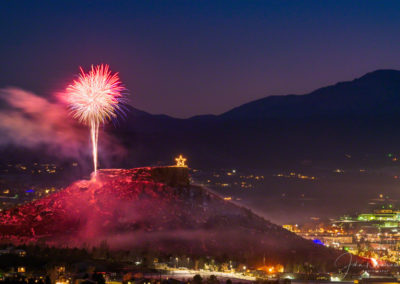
378, 90
380, 86
359, 117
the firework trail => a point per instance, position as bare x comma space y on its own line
95, 98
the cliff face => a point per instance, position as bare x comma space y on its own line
171, 176
153, 209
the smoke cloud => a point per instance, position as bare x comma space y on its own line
31, 121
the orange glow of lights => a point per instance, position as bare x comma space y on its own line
272, 269
374, 262
180, 161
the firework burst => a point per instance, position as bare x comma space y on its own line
94, 98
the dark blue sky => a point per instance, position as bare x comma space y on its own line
194, 57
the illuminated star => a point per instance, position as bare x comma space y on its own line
180, 161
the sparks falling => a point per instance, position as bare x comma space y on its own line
94, 99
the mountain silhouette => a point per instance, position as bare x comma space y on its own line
359, 116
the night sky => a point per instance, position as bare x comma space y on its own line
185, 58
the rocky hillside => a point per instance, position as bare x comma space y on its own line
155, 209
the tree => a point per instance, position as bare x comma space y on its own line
212, 279
98, 277
197, 279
